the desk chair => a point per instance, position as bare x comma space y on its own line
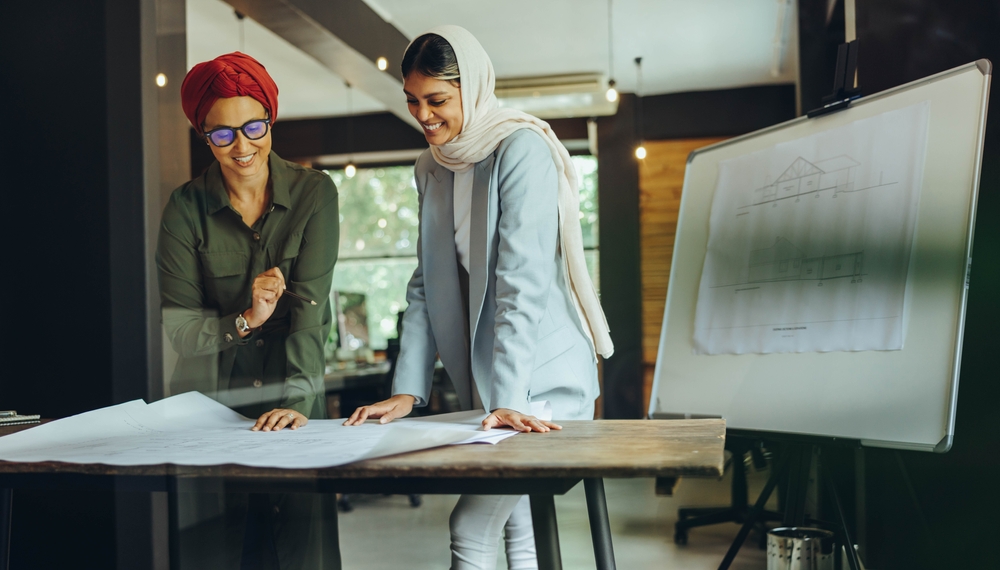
739, 507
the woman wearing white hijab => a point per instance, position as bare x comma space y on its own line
501, 292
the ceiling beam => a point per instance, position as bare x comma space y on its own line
346, 36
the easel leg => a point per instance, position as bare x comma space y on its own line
6, 504
543, 518
845, 535
758, 508
600, 528
800, 463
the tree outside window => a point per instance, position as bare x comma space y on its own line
378, 237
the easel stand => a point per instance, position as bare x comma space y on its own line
796, 459
794, 465
844, 89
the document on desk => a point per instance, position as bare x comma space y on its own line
193, 429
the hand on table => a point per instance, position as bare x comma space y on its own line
267, 289
278, 419
518, 421
385, 411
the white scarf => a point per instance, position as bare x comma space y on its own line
485, 126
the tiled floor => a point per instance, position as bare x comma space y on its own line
386, 533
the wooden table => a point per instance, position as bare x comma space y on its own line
538, 465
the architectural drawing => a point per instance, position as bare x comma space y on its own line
785, 262
809, 240
802, 177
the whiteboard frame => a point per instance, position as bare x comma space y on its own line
985, 68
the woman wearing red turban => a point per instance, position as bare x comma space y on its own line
231, 242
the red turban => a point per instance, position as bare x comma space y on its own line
232, 75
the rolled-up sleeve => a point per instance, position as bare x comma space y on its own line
191, 329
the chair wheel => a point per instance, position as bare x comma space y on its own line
416, 501
680, 537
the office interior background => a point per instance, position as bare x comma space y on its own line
95, 145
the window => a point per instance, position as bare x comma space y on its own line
378, 237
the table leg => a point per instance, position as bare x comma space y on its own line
543, 518
6, 503
600, 528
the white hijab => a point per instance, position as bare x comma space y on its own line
485, 126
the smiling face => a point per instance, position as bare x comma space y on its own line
245, 160
436, 104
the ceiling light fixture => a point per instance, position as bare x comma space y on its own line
241, 17
382, 63
161, 79
612, 93
640, 151
350, 170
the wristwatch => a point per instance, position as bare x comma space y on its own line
241, 323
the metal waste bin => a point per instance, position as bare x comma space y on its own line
797, 548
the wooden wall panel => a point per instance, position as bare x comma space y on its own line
661, 179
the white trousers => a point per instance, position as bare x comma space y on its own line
476, 523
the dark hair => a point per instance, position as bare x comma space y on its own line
432, 55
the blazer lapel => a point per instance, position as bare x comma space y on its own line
441, 284
482, 228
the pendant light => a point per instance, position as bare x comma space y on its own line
350, 170
241, 17
612, 93
640, 151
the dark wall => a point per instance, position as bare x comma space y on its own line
621, 283
821, 31
59, 317
59, 313
719, 113
71, 84
934, 510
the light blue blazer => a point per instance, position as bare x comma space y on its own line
527, 339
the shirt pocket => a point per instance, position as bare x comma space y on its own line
286, 253
224, 264
225, 276
290, 249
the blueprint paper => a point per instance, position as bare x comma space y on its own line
473, 420
810, 240
193, 429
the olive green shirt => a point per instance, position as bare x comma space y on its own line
207, 259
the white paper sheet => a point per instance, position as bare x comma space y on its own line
193, 429
473, 419
810, 241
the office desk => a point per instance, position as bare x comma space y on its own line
539, 465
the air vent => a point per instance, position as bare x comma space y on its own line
557, 96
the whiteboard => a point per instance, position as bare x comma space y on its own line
885, 398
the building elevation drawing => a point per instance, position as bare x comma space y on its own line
803, 178
809, 241
785, 262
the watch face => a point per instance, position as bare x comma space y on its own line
241, 324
